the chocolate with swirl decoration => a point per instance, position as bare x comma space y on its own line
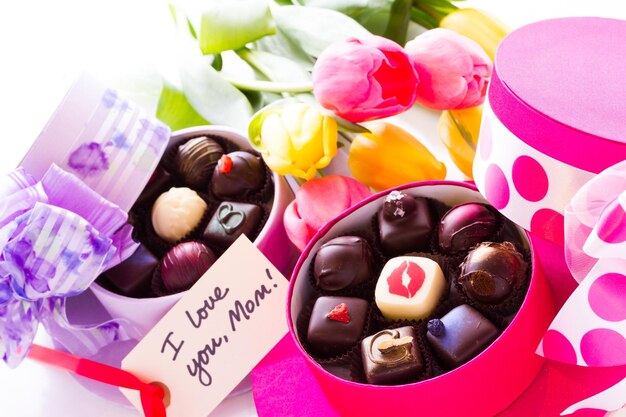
391, 357
231, 220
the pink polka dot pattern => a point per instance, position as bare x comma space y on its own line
606, 297
529, 178
548, 224
496, 187
556, 346
603, 347
611, 223
485, 140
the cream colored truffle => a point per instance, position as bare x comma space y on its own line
409, 288
176, 213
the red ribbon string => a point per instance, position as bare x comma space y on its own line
151, 395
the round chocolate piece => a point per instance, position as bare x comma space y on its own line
176, 213
405, 224
491, 271
237, 174
466, 225
196, 159
343, 262
184, 264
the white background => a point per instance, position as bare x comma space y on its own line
44, 43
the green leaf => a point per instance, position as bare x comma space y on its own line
371, 14
274, 67
211, 96
217, 62
314, 29
279, 44
232, 24
426, 21
175, 111
399, 21
255, 98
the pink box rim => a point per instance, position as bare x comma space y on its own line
322, 231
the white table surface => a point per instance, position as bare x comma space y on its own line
43, 44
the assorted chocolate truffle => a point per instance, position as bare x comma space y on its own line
184, 264
237, 174
400, 342
177, 206
231, 220
344, 262
336, 324
176, 213
196, 159
460, 335
492, 271
391, 357
133, 276
409, 288
405, 224
466, 225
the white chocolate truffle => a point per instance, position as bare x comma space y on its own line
409, 288
176, 213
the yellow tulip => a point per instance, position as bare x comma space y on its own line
458, 130
477, 25
390, 156
297, 139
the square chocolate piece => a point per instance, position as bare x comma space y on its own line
336, 324
391, 357
133, 277
405, 224
230, 221
460, 335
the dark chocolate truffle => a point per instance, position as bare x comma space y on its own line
230, 221
391, 357
237, 174
343, 262
336, 324
133, 276
196, 159
184, 264
405, 224
460, 335
465, 225
491, 271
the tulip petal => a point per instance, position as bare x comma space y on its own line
454, 71
296, 228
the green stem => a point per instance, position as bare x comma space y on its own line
437, 9
418, 16
270, 86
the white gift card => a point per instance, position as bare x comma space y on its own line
213, 337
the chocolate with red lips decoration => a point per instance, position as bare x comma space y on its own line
184, 264
342, 263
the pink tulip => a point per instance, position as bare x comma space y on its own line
365, 79
453, 69
318, 201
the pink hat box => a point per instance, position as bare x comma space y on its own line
483, 386
553, 119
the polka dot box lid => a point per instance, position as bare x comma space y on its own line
553, 120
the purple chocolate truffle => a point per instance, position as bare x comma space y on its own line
466, 225
184, 264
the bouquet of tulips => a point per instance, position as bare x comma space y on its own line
309, 77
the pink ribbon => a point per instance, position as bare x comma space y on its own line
590, 329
